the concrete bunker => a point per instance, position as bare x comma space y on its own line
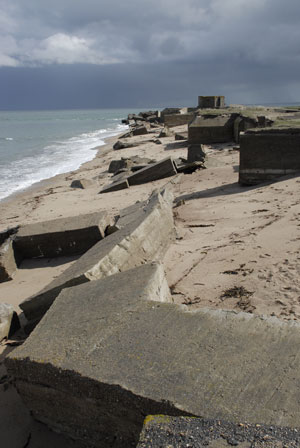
268, 153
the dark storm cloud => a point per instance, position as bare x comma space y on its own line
248, 50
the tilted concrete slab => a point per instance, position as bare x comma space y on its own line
8, 263
61, 237
115, 186
268, 153
159, 170
145, 238
9, 321
91, 410
161, 431
103, 358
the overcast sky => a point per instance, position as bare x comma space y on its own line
140, 53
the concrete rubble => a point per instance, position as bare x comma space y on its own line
136, 243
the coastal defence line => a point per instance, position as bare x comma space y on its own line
128, 351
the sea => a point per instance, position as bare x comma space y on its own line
37, 145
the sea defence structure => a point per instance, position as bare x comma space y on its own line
144, 235
268, 153
212, 129
211, 102
109, 352
48, 239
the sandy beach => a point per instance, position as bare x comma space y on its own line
236, 248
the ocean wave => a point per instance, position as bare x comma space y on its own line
57, 158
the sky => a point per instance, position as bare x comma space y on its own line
63, 54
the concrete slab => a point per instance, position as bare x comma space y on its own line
9, 321
159, 170
65, 236
82, 414
103, 357
115, 186
145, 238
161, 431
8, 263
268, 153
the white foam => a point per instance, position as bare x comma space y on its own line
57, 158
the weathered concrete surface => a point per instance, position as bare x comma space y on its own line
165, 432
126, 355
48, 378
5, 234
211, 102
115, 186
65, 236
173, 120
140, 130
159, 170
8, 263
9, 321
116, 165
195, 153
82, 183
266, 154
145, 238
211, 129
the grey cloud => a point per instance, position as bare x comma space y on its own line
237, 47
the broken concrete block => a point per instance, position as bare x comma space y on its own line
165, 132
159, 170
188, 167
181, 136
195, 153
48, 368
82, 183
140, 130
9, 321
268, 153
115, 186
121, 357
123, 145
211, 129
61, 237
8, 262
116, 165
161, 431
136, 243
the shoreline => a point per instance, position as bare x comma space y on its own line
48, 182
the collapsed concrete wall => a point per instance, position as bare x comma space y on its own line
266, 154
107, 354
178, 119
144, 238
64, 236
8, 263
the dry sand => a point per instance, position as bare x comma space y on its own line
236, 247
